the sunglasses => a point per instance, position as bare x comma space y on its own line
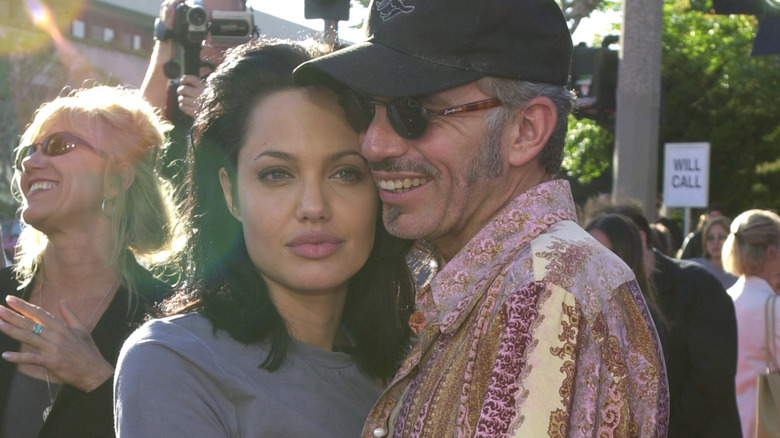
59, 143
408, 117
718, 237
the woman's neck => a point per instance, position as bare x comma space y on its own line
314, 319
85, 267
717, 261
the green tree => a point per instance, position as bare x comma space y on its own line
588, 150
713, 91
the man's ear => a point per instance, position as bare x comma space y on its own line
529, 129
227, 191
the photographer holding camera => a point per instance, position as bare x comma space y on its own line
171, 32
197, 32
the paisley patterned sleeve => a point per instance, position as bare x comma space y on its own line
620, 386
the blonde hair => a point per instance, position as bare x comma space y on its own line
752, 232
144, 218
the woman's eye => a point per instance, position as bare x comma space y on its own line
349, 173
273, 174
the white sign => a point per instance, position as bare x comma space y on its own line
686, 174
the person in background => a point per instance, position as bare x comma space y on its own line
692, 245
155, 83
530, 327
93, 207
701, 339
673, 226
752, 251
621, 236
174, 94
662, 238
714, 233
296, 307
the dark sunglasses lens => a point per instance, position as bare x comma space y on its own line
358, 109
407, 116
56, 145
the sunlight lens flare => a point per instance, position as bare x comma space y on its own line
40, 14
24, 39
73, 61
42, 17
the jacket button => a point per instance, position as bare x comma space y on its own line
380, 432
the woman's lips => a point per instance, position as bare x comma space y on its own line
314, 245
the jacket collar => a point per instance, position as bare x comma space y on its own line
458, 286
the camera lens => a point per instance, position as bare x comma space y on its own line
197, 16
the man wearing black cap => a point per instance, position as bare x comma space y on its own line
530, 327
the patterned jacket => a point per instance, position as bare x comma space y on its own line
533, 329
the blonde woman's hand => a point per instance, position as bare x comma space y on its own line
64, 347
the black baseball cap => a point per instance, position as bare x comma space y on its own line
417, 47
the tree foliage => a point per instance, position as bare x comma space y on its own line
713, 91
575, 10
589, 149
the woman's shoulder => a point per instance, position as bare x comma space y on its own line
187, 341
189, 335
9, 284
701, 261
8, 279
179, 327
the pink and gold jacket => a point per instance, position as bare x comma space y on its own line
533, 329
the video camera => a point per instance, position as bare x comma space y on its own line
190, 29
191, 25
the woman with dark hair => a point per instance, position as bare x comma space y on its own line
621, 236
299, 299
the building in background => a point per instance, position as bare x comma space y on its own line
114, 36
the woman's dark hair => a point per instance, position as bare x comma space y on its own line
626, 242
222, 282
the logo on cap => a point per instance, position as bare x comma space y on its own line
390, 8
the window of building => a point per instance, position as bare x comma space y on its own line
108, 34
78, 29
136, 42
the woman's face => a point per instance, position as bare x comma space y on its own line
63, 191
716, 235
601, 237
303, 193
